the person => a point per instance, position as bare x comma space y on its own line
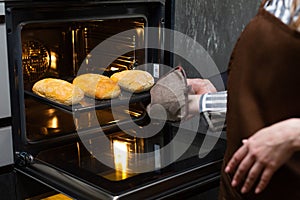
262, 159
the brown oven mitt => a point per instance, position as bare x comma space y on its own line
169, 97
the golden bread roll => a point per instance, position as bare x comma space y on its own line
58, 90
97, 86
134, 80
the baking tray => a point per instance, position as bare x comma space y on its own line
88, 103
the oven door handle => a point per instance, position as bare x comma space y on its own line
63, 182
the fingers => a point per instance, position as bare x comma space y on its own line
253, 175
247, 170
264, 180
201, 86
243, 162
236, 159
209, 86
242, 170
189, 81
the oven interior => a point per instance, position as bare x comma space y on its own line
60, 50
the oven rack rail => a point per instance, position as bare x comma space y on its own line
87, 103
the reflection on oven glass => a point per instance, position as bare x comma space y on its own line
123, 151
52, 126
53, 123
93, 119
120, 150
44, 121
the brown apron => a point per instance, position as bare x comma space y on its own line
263, 88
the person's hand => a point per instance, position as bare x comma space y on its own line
263, 153
201, 86
198, 87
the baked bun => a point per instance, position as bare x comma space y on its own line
58, 90
134, 80
97, 86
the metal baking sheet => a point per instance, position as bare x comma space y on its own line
88, 103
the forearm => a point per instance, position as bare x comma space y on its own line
294, 125
194, 104
210, 102
212, 105
213, 102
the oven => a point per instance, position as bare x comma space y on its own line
96, 149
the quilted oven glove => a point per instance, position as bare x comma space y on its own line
169, 97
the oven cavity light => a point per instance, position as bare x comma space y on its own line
53, 56
140, 32
114, 69
88, 56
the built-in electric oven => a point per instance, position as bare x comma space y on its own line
96, 149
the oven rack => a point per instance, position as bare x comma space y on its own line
87, 103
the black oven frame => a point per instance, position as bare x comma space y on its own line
190, 181
20, 12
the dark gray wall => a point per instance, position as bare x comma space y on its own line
215, 24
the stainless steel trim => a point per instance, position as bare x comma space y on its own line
6, 147
5, 110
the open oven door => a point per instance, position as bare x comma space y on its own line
75, 171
